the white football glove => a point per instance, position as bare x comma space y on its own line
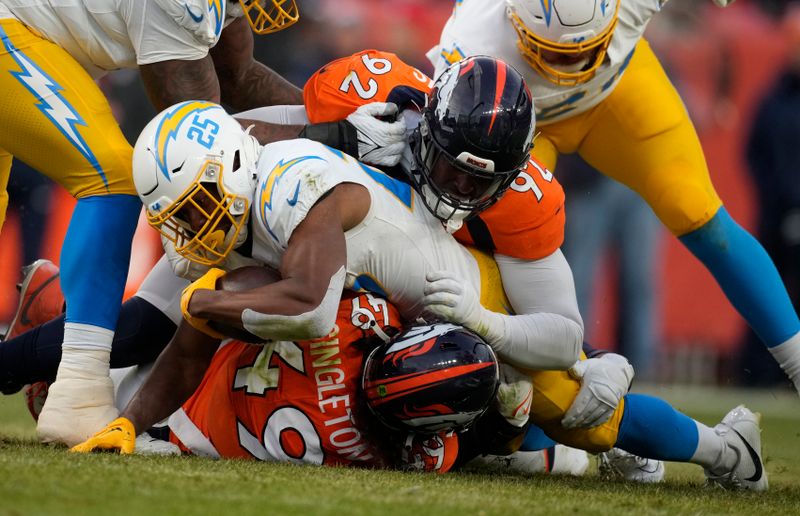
182, 267
452, 300
604, 381
724, 3
514, 396
379, 142
187, 269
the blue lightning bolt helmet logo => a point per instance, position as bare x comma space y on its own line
547, 5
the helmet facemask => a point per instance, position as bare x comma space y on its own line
448, 206
225, 214
531, 47
268, 16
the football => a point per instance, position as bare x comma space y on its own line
240, 280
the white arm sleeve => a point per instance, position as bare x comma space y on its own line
547, 332
281, 115
313, 324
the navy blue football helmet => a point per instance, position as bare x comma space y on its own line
474, 138
431, 378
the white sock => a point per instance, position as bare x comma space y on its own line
713, 452
86, 349
787, 354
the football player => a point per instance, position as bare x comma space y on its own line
600, 91
327, 221
198, 49
339, 400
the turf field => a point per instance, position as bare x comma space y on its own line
40, 480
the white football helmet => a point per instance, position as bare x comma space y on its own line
195, 158
567, 28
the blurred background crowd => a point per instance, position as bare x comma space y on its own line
738, 71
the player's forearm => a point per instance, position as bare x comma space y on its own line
547, 331
266, 132
284, 310
256, 86
534, 341
175, 376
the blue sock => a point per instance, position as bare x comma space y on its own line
95, 258
747, 275
652, 428
535, 439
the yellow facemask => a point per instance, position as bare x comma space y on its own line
531, 46
218, 235
272, 16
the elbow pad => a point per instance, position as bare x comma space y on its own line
340, 135
313, 324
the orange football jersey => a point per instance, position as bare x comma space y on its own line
294, 401
527, 222
342, 86
291, 401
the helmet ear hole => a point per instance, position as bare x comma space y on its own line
236, 162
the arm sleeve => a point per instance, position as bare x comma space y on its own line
282, 115
547, 332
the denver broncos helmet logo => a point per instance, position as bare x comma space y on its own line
167, 130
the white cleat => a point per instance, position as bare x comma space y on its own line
742, 432
617, 464
76, 409
148, 445
556, 460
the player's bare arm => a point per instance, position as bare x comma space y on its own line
175, 376
312, 270
169, 82
244, 82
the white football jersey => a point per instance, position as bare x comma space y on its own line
481, 27
104, 35
388, 253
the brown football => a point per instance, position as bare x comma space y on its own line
240, 280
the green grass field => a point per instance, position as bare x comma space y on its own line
36, 479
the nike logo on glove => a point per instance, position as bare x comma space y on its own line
753, 455
196, 18
293, 200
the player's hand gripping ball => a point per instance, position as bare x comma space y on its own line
241, 280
